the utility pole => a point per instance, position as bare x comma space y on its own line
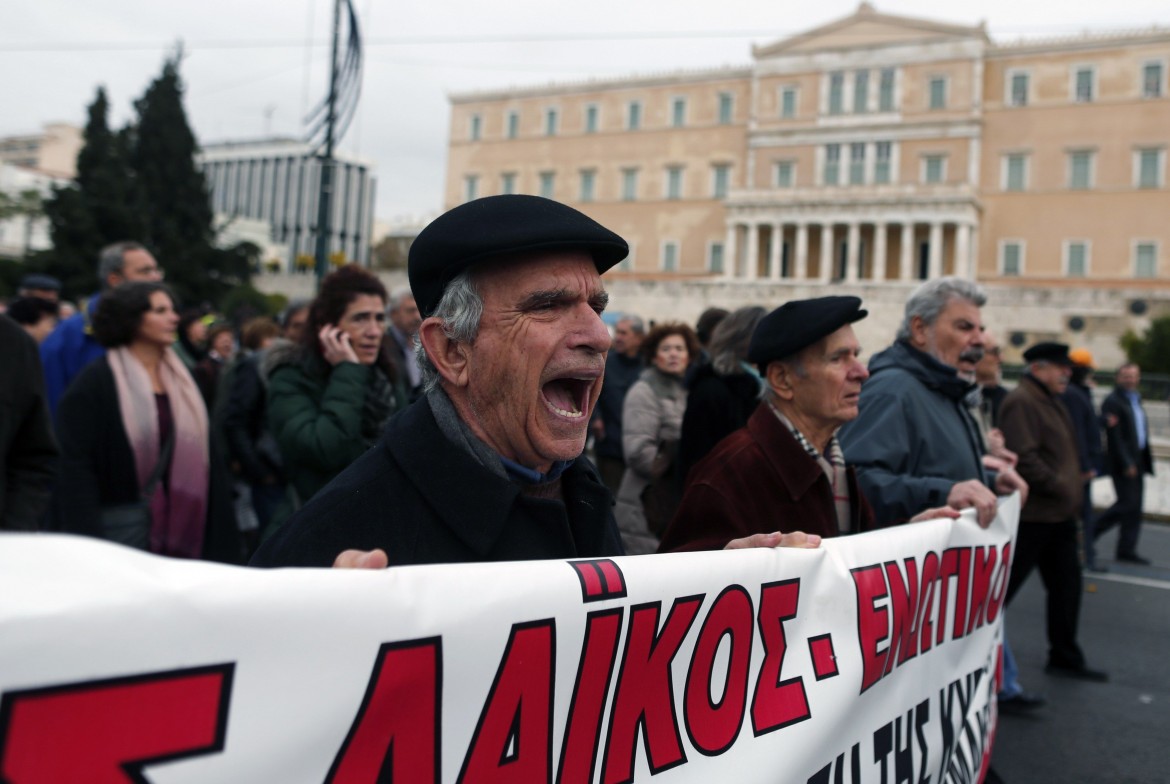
325, 193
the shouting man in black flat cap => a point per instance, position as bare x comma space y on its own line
488, 466
784, 469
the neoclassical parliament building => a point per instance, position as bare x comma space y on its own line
875, 148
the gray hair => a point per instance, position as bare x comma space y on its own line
397, 297
637, 326
112, 260
731, 337
928, 300
460, 309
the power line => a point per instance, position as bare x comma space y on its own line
503, 38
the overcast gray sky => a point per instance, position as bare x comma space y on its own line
254, 67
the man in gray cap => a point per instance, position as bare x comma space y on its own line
1037, 427
488, 465
784, 470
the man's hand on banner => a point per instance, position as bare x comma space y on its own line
361, 559
1008, 482
974, 493
797, 539
936, 513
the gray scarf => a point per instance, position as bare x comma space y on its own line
459, 434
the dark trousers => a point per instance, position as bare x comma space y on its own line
1053, 548
1088, 527
1126, 513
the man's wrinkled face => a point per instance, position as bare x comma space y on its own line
828, 393
956, 338
625, 339
1052, 375
535, 369
406, 318
1129, 377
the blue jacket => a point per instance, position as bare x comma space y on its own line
66, 352
914, 437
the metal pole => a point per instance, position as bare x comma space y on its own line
324, 197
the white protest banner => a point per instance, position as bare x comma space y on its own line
870, 659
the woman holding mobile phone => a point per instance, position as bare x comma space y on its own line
330, 397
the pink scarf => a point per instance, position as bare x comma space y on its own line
178, 515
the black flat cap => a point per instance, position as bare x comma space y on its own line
1048, 352
40, 282
499, 227
798, 324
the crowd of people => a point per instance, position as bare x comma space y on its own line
455, 420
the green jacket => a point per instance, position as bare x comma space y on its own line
315, 414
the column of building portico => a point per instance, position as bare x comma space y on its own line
826, 252
877, 269
963, 250
801, 251
776, 255
731, 252
934, 270
906, 257
753, 252
853, 253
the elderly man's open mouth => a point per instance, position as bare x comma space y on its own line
568, 396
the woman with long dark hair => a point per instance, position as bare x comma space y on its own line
136, 460
330, 396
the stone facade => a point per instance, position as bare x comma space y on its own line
876, 148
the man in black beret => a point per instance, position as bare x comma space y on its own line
488, 466
1037, 427
784, 470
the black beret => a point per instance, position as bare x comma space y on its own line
1048, 352
40, 282
502, 226
798, 324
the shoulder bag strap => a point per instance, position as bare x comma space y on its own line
164, 460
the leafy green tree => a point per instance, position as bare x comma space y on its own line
1152, 350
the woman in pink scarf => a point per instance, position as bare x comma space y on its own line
137, 414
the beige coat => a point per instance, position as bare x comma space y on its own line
651, 425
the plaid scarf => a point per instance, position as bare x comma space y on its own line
832, 463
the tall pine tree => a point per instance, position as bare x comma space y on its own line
142, 184
173, 196
97, 208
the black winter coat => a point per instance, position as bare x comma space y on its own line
424, 500
28, 453
717, 406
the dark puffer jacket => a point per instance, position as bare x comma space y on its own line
915, 437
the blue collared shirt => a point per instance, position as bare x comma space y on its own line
1139, 417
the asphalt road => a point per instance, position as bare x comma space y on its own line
1097, 733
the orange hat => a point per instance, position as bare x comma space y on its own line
1082, 357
